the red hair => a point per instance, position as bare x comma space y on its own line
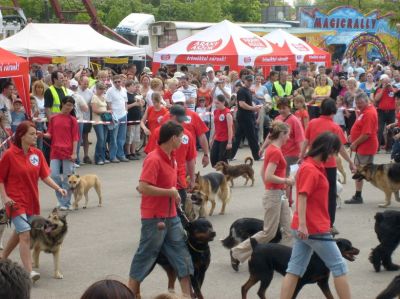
22, 129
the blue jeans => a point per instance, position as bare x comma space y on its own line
118, 137
61, 178
78, 160
170, 241
101, 135
326, 250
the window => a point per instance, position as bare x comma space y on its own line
143, 40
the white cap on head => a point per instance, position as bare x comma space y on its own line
73, 83
178, 97
209, 69
384, 76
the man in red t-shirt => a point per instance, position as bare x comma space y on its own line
185, 154
162, 229
193, 124
364, 140
384, 100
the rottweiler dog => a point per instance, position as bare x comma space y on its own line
199, 233
267, 258
392, 290
387, 229
243, 228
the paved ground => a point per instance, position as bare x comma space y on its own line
101, 241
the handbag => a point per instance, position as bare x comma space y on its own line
106, 116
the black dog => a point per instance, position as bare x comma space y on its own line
267, 258
387, 228
244, 228
200, 232
392, 290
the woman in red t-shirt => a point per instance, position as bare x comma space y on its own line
20, 169
64, 133
205, 92
311, 220
153, 115
276, 207
221, 140
301, 110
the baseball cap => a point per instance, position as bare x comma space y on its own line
179, 112
209, 69
73, 83
177, 75
384, 76
178, 97
17, 100
146, 70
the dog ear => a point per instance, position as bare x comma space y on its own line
77, 175
55, 210
69, 175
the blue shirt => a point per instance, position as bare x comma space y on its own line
16, 119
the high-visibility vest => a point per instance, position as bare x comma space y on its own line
282, 92
56, 99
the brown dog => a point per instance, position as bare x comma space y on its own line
80, 185
206, 188
232, 172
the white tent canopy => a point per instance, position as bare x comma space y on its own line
69, 40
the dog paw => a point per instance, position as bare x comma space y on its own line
383, 205
221, 213
99, 205
84, 207
58, 275
392, 267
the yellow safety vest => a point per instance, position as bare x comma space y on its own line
282, 92
56, 99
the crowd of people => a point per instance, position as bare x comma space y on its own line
309, 115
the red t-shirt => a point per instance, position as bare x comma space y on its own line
205, 94
366, 124
311, 180
292, 147
221, 124
20, 174
158, 170
186, 152
398, 118
64, 131
167, 96
302, 115
387, 101
273, 154
194, 123
154, 117
321, 125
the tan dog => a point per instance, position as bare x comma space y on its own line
80, 185
48, 235
206, 188
340, 168
233, 171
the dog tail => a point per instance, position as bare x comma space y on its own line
394, 172
228, 242
249, 159
379, 217
253, 243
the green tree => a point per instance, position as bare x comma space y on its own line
207, 11
174, 10
245, 10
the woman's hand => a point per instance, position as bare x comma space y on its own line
73, 157
146, 131
8, 202
302, 232
175, 195
290, 181
229, 146
62, 191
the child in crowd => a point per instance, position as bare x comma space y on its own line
18, 115
201, 110
395, 129
339, 116
134, 105
301, 110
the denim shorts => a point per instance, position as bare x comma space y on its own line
170, 241
326, 250
20, 224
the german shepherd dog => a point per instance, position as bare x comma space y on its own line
267, 258
48, 235
387, 229
392, 290
385, 177
233, 171
206, 188
199, 233
242, 229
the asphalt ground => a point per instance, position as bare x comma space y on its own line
101, 241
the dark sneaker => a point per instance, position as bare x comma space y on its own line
123, 159
115, 161
87, 160
234, 263
354, 200
133, 157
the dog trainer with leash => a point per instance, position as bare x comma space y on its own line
23, 165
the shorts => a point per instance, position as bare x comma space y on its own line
326, 250
20, 224
290, 161
170, 241
87, 128
363, 159
133, 134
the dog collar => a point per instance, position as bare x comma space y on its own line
195, 249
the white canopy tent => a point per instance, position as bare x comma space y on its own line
68, 40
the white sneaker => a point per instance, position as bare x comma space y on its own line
76, 165
35, 276
63, 208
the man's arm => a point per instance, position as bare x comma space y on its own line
190, 167
358, 141
204, 145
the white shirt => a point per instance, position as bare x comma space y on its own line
40, 105
118, 99
5, 109
87, 95
79, 103
190, 93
